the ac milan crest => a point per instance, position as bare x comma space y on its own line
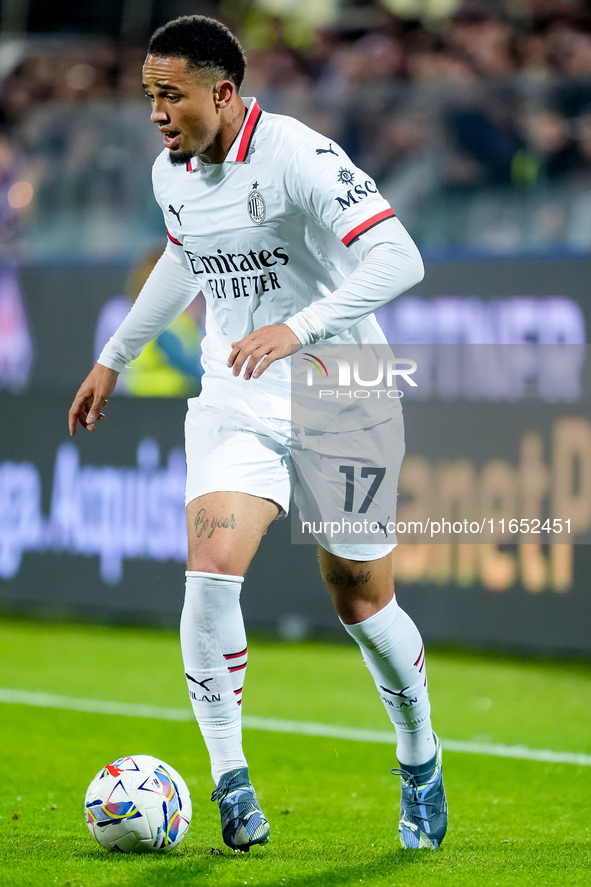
257, 208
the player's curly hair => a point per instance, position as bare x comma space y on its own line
204, 43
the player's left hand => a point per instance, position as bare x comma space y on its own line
261, 348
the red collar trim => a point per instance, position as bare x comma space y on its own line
253, 115
238, 152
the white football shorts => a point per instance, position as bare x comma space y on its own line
344, 484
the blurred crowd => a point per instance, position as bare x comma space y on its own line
477, 128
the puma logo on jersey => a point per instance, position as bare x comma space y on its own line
176, 212
328, 150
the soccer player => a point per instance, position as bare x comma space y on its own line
290, 244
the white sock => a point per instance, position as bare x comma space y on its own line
213, 644
393, 651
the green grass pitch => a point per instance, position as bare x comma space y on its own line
332, 803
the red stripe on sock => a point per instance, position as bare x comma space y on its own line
236, 655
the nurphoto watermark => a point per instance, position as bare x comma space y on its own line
499, 444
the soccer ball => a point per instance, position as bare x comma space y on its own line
138, 804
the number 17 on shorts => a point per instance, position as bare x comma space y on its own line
345, 486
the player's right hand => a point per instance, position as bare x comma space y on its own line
91, 398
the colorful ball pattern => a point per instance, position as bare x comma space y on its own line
138, 804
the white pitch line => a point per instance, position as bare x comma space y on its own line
274, 725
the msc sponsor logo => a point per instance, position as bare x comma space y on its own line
354, 195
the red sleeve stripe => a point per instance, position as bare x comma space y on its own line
174, 240
365, 226
246, 139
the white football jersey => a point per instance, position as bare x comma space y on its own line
265, 234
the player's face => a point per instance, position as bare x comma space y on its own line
184, 108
